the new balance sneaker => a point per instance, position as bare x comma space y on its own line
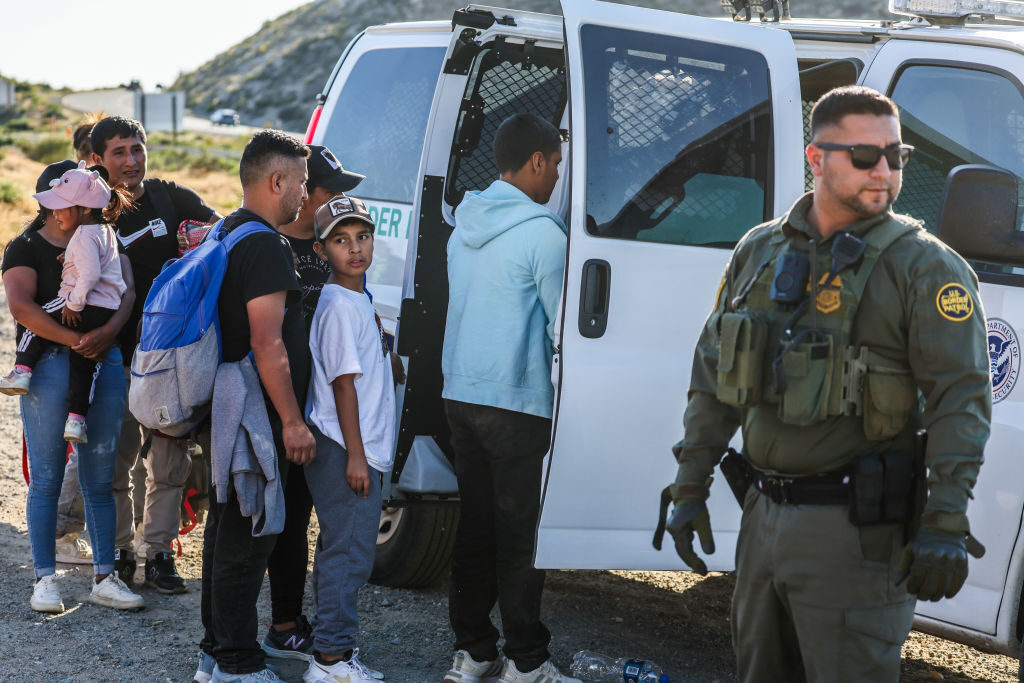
112, 592
15, 382
73, 549
74, 430
124, 565
204, 672
46, 595
545, 673
162, 575
349, 670
465, 669
295, 643
263, 676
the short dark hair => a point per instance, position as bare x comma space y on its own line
262, 148
111, 127
519, 136
831, 107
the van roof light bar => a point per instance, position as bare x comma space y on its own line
957, 11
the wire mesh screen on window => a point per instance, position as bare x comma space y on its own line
505, 82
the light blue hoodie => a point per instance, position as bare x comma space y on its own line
506, 259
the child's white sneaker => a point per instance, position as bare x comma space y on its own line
46, 595
15, 382
545, 673
74, 430
351, 671
73, 549
112, 592
465, 669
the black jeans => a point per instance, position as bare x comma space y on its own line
290, 557
81, 370
498, 457
234, 562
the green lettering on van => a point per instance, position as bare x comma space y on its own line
396, 218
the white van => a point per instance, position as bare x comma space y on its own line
683, 132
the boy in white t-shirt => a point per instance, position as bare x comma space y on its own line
351, 410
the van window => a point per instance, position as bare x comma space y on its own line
940, 116
678, 138
380, 119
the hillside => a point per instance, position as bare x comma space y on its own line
272, 77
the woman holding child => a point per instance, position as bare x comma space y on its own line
32, 273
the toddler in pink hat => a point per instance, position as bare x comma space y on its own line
91, 283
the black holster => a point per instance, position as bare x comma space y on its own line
738, 474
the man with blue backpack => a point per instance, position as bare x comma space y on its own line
254, 336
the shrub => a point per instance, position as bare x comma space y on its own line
9, 192
18, 124
47, 150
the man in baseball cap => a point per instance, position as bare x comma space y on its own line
290, 632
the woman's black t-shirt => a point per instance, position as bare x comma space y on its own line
31, 249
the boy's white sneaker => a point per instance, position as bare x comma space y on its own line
73, 549
15, 382
46, 595
112, 592
465, 669
545, 673
351, 671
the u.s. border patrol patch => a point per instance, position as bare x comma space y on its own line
1003, 358
954, 302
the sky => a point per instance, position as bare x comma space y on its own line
85, 44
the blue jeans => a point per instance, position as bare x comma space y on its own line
43, 411
345, 547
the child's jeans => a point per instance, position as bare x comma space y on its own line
81, 370
345, 548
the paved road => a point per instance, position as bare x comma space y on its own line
121, 102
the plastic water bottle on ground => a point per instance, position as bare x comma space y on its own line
594, 667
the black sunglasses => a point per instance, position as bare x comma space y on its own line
865, 157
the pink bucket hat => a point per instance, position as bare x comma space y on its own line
77, 187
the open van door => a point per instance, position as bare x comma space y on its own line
685, 133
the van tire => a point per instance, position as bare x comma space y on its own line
414, 545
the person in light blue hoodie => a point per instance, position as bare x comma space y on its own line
506, 260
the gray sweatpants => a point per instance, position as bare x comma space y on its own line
345, 547
70, 505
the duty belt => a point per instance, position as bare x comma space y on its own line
822, 489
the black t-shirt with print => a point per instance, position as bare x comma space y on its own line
150, 240
262, 264
32, 250
313, 272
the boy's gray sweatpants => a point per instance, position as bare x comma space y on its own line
345, 547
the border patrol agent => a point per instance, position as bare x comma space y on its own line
840, 329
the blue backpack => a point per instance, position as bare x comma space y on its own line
176, 360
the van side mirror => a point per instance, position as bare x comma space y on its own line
978, 215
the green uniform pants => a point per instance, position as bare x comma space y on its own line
815, 596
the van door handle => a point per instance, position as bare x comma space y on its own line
597, 277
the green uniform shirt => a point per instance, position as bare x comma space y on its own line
909, 314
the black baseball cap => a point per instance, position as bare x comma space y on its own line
340, 208
52, 172
325, 171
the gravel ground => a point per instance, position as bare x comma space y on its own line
676, 619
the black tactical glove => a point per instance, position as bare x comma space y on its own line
691, 515
934, 563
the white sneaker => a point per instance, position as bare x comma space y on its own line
73, 549
46, 595
465, 669
15, 382
112, 592
352, 671
545, 673
74, 430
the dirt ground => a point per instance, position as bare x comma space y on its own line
674, 618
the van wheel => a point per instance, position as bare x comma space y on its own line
414, 545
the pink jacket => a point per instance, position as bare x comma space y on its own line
92, 269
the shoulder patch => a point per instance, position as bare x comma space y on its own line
954, 302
